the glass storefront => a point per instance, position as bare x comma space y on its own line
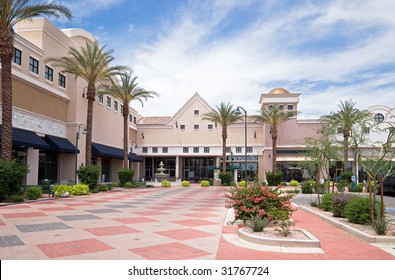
48, 166
196, 169
152, 164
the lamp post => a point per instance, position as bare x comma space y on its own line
77, 137
245, 139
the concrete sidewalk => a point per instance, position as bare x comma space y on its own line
154, 224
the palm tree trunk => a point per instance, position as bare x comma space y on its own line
224, 136
345, 167
125, 134
6, 99
274, 149
89, 124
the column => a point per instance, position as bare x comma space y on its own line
177, 168
32, 163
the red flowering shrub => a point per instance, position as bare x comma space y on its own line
257, 200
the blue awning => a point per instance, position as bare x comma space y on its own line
134, 158
59, 144
26, 138
100, 150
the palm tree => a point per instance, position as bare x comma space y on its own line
273, 116
12, 12
92, 64
343, 120
224, 115
127, 90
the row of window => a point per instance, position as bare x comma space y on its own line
117, 106
196, 127
290, 107
195, 150
34, 67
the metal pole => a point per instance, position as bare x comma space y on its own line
77, 136
245, 141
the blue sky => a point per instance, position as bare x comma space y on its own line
233, 50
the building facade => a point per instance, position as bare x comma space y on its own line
49, 115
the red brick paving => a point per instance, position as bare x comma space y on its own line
70, 248
184, 234
200, 215
21, 206
171, 251
112, 230
193, 223
151, 213
2, 223
24, 215
135, 220
56, 209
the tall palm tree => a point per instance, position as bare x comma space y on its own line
343, 120
224, 115
126, 90
12, 12
273, 116
92, 63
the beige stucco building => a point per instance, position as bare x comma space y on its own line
49, 111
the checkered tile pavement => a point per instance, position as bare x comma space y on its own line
154, 224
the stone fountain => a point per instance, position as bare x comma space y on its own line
161, 175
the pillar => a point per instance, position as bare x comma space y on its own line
32, 163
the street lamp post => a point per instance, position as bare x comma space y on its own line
77, 137
245, 139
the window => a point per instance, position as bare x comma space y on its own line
145, 150
116, 106
210, 126
101, 98
249, 150
62, 80
33, 65
48, 73
165, 150
17, 56
366, 130
121, 109
155, 150
281, 107
196, 127
238, 149
130, 118
182, 127
196, 113
185, 150
134, 120
108, 101
196, 150
206, 150
228, 149
378, 118
290, 107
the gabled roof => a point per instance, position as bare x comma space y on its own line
194, 97
153, 120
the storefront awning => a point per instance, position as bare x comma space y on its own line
26, 138
59, 144
135, 158
100, 150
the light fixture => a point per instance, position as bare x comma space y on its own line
245, 138
136, 147
142, 135
83, 92
77, 137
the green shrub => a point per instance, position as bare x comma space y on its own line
242, 183
294, 183
357, 211
358, 188
128, 185
205, 183
226, 178
94, 190
11, 177
59, 190
307, 187
166, 183
380, 224
346, 176
327, 201
257, 223
341, 186
283, 184
14, 198
80, 189
115, 185
103, 188
33, 193
340, 201
125, 175
89, 175
321, 188
185, 183
274, 179
232, 184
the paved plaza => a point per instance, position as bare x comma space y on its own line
153, 224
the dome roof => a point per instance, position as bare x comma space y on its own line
278, 91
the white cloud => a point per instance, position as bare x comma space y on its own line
270, 51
